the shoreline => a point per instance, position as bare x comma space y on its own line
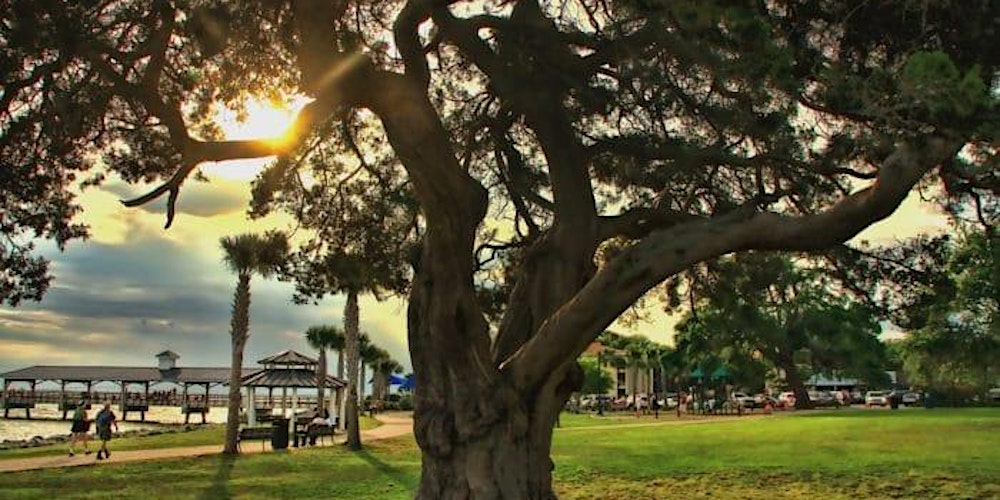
37, 441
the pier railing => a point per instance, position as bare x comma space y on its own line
163, 398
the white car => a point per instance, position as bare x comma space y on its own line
747, 401
877, 398
786, 399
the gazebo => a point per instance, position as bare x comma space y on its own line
286, 370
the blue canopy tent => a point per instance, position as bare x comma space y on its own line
404, 383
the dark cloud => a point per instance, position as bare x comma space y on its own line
121, 304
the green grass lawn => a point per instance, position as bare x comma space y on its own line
847, 454
209, 434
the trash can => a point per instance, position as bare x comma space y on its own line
279, 438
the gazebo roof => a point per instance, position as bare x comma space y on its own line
289, 377
169, 354
289, 358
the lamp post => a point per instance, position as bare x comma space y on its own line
600, 383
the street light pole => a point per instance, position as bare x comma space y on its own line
600, 383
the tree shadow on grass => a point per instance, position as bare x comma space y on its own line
220, 483
395, 473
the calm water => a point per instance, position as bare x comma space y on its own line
17, 428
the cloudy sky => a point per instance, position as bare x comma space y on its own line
134, 289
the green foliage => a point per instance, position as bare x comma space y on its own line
596, 379
954, 352
760, 307
326, 337
248, 254
932, 81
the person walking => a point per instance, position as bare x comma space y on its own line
80, 429
106, 418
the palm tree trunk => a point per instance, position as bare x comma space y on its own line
352, 346
240, 331
340, 394
361, 383
321, 380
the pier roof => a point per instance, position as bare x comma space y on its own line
177, 375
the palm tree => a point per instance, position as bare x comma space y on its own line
368, 354
352, 344
322, 338
246, 255
384, 368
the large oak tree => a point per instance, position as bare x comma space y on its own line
568, 156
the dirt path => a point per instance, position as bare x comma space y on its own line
393, 425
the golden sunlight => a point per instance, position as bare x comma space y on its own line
265, 120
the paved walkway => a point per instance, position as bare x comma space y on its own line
393, 425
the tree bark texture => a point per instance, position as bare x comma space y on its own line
352, 347
239, 333
361, 382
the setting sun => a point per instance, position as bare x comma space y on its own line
264, 120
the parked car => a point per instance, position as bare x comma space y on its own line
857, 397
669, 400
786, 399
877, 398
823, 399
746, 400
911, 398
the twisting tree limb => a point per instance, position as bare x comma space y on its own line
662, 254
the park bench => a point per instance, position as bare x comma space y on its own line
318, 432
19, 402
194, 406
254, 433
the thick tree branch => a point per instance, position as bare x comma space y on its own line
195, 152
567, 332
638, 222
159, 43
407, 38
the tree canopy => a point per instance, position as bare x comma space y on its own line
768, 306
568, 155
945, 290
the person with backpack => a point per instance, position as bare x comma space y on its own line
80, 429
106, 418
